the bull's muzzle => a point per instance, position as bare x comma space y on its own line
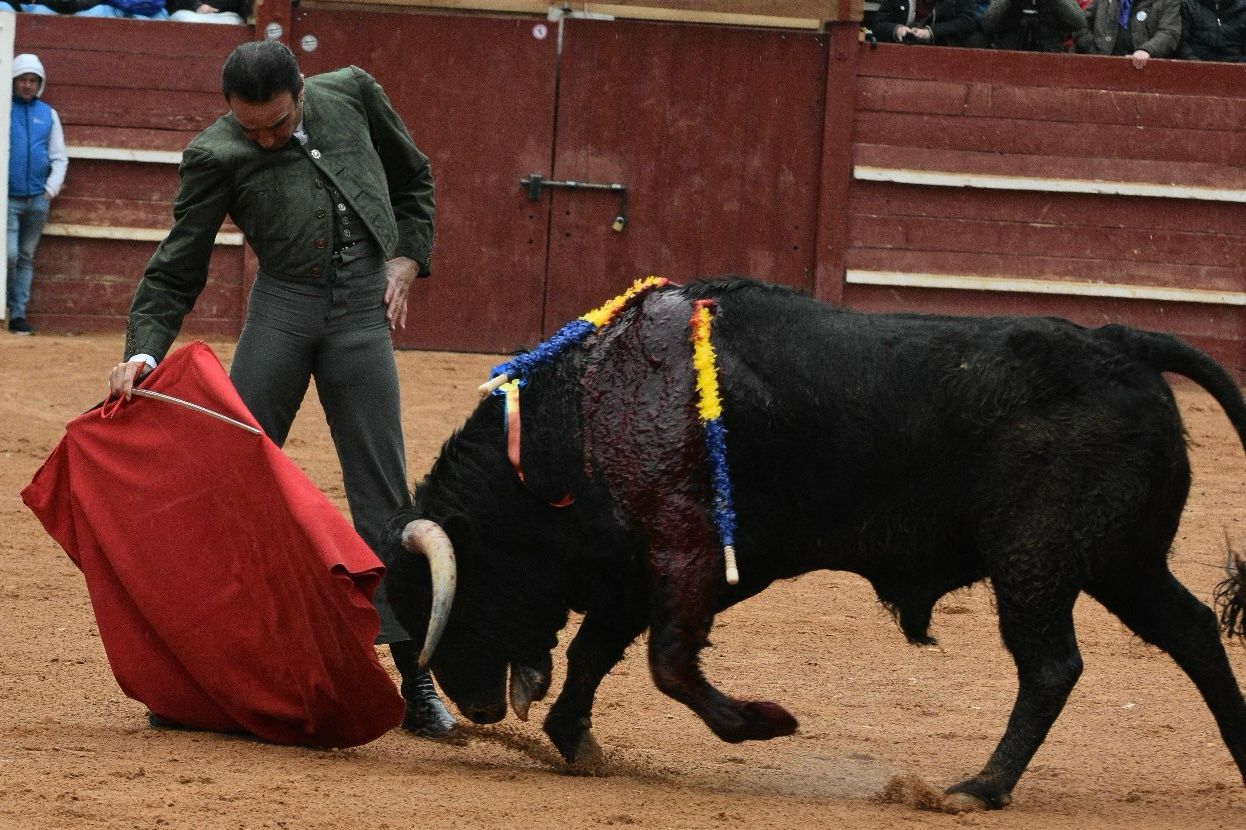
430, 541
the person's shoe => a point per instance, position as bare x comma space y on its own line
19, 325
426, 715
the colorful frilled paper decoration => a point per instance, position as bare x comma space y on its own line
709, 408
569, 335
508, 378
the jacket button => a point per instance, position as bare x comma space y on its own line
315, 271
320, 243
320, 213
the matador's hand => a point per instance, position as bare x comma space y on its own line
399, 274
122, 377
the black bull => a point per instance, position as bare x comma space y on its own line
923, 453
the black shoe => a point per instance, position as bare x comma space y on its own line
426, 715
18, 325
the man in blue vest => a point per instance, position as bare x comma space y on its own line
37, 165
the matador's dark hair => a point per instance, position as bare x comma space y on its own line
260, 69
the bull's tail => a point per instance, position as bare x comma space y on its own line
1231, 597
1166, 353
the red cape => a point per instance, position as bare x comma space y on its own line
230, 594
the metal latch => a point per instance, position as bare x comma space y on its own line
535, 181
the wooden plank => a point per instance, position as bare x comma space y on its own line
1064, 71
1051, 168
120, 37
1030, 103
1021, 137
1188, 320
81, 210
107, 180
1213, 220
1126, 244
126, 233
103, 260
775, 13
138, 108
980, 181
1144, 108
105, 135
73, 295
1063, 288
75, 151
72, 66
1053, 267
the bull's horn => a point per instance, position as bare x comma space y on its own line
430, 541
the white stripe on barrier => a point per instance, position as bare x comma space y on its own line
1038, 286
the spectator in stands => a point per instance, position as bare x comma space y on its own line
37, 165
1213, 30
138, 9
928, 22
1032, 25
218, 11
81, 8
1141, 29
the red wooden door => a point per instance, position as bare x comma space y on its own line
477, 94
717, 134
719, 177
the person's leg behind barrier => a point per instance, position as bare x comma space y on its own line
27, 217
11, 229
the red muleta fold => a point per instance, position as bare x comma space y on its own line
229, 592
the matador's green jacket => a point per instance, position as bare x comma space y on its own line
278, 199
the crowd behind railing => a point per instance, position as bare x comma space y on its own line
186, 11
1204, 30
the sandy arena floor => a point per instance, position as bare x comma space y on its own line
1135, 748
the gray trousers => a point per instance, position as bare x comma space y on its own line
335, 332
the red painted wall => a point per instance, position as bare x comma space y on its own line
738, 148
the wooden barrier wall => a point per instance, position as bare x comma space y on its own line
130, 94
927, 179
992, 183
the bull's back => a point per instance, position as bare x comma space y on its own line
843, 426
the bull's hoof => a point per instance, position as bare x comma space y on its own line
568, 735
775, 720
589, 759
976, 794
962, 803
755, 720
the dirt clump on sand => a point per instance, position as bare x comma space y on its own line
1135, 747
